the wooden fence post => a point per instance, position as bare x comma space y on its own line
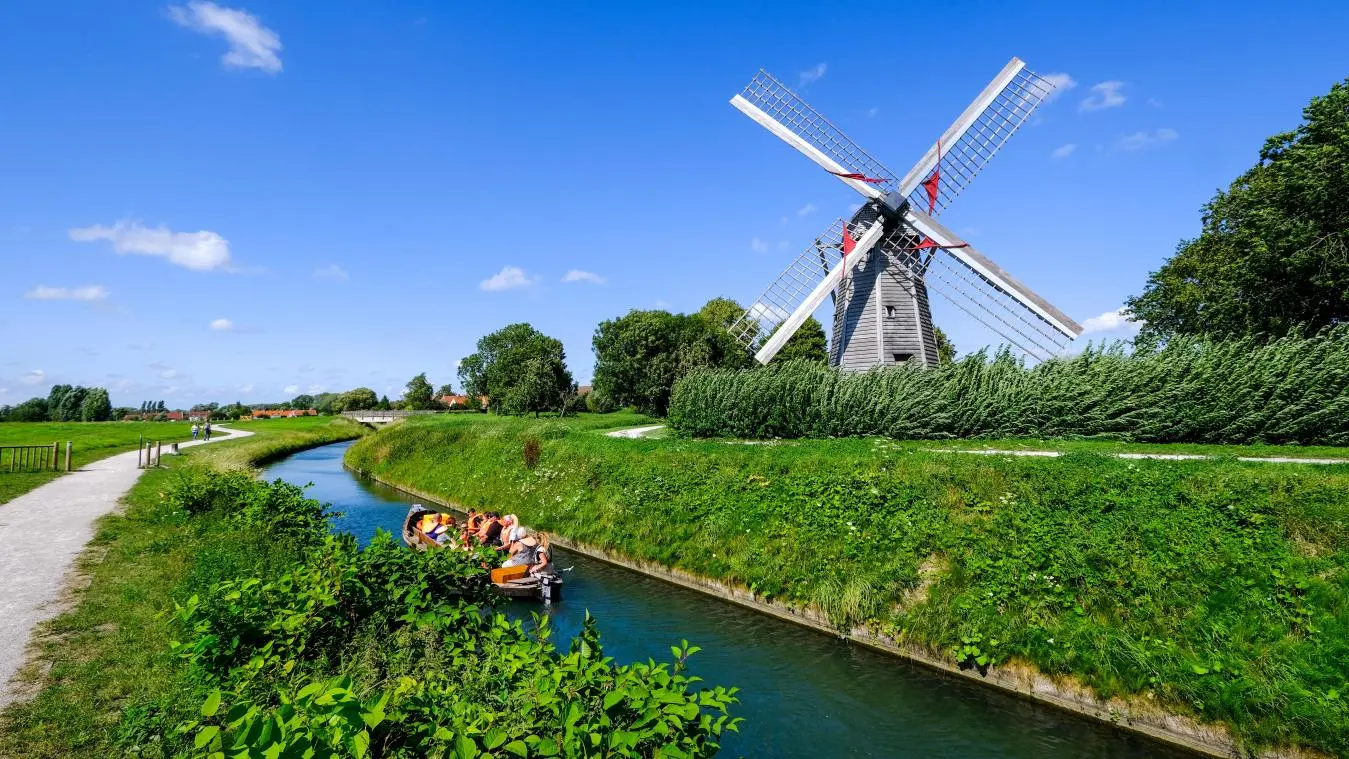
159, 449
67, 455
55, 466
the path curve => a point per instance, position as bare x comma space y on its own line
635, 432
41, 534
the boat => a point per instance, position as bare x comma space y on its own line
510, 582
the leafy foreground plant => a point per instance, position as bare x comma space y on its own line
1193, 390
385, 652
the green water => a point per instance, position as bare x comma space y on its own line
805, 694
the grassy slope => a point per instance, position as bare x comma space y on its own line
111, 649
1218, 588
92, 441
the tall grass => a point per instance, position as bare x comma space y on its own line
1291, 390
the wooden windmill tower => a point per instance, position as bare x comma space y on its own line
879, 265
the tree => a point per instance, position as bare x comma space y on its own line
360, 399
31, 410
639, 356
808, 344
946, 350
97, 407
417, 394
69, 408
383, 404
723, 312
54, 398
1274, 251
519, 369
444, 390
302, 401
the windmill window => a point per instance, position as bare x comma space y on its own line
890, 312
902, 357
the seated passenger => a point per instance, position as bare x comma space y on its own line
444, 526
427, 522
543, 561
490, 533
522, 551
474, 521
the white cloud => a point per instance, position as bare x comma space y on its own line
1062, 83
1145, 139
662, 304
315, 389
1063, 151
758, 246
88, 292
223, 325
252, 45
509, 278
169, 374
1103, 95
576, 275
291, 389
247, 387
1111, 321
806, 210
331, 271
813, 74
169, 389
33, 377
202, 250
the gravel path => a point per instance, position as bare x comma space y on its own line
41, 533
633, 432
1161, 456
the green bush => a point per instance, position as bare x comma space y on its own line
1291, 390
394, 653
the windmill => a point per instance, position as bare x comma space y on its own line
879, 265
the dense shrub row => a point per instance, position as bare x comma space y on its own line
1217, 589
1291, 390
386, 652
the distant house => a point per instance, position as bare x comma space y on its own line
198, 416
174, 416
461, 401
262, 413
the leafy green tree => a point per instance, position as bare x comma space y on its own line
383, 404
808, 344
71, 405
1274, 251
444, 390
946, 350
417, 394
31, 410
54, 398
639, 356
519, 369
723, 312
97, 407
302, 401
360, 399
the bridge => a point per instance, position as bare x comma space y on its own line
372, 416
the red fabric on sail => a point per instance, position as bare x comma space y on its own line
928, 242
858, 177
933, 183
848, 242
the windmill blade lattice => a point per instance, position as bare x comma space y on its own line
786, 107
781, 298
971, 142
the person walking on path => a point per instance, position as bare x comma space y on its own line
208, 431
194, 430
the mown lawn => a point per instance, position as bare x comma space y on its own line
111, 650
91, 442
1218, 589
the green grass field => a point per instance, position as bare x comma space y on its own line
91, 442
1217, 589
111, 651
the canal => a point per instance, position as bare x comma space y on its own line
803, 693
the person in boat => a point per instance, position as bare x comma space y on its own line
521, 550
508, 525
428, 522
490, 534
543, 559
474, 521
446, 531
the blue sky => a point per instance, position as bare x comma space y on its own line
243, 201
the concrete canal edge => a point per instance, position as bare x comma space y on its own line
1135, 715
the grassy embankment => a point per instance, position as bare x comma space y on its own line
111, 649
1215, 589
91, 442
